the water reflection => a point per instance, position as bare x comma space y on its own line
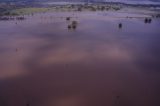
44, 64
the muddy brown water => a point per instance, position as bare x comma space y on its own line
43, 63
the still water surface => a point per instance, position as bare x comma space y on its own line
43, 63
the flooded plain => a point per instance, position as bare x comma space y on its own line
90, 59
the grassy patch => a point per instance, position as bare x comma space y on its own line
31, 10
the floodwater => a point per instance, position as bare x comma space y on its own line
97, 63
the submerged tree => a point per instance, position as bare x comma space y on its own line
147, 20
69, 26
68, 18
74, 22
73, 25
120, 25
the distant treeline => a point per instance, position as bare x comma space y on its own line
90, 1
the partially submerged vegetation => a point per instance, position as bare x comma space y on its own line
147, 20
5, 18
73, 25
14, 10
18, 12
120, 25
